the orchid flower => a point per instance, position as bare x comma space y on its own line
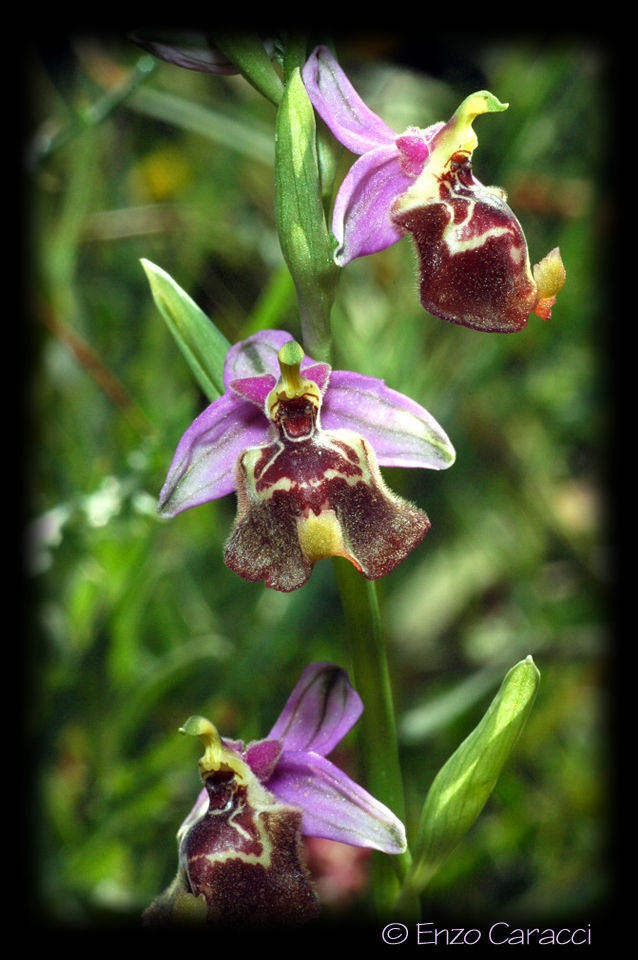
302, 445
240, 846
474, 262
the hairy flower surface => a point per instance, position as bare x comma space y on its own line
302, 444
240, 852
474, 262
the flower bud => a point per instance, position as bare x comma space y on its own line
549, 276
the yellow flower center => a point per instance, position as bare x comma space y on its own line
294, 402
456, 140
217, 756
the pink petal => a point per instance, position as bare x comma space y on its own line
361, 217
255, 356
333, 805
401, 432
262, 756
254, 389
341, 108
319, 712
203, 466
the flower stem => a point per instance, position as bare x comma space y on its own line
371, 678
306, 246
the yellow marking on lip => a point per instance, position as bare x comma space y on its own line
320, 536
449, 236
263, 858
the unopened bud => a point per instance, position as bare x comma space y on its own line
550, 277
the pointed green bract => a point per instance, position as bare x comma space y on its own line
465, 782
303, 233
204, 348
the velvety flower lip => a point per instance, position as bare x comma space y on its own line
401, 431
240, 851
387, 166
474, 264
291, 763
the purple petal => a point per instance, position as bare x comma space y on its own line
204, 462
361, 217
254, 389
414, 147
319, 373
401, 432
333, 805
255, 356
340, 107
258, 355
320, 711
262, 756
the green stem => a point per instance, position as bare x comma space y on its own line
247, 52
371, 677
306, 247
295, 52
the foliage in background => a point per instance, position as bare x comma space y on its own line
137, 623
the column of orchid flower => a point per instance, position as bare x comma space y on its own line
301, 445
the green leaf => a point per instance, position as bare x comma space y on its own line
203, 346
301, 224
464, 783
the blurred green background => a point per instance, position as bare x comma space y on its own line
136, 623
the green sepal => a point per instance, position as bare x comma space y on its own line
204, 348
247, 52
464, 783
303, 233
